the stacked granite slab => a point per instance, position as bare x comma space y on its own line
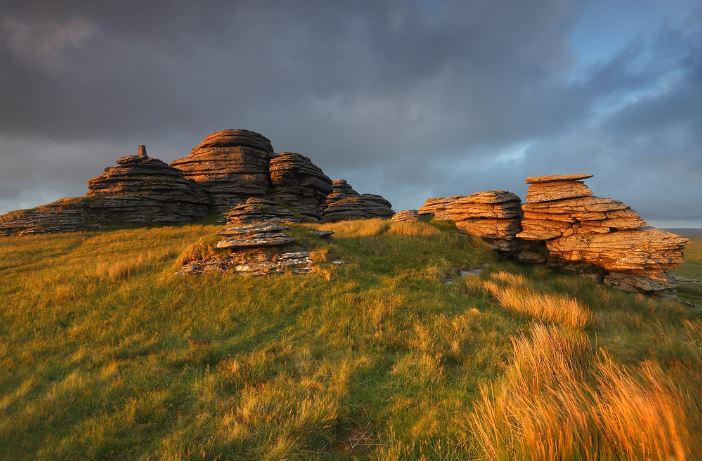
231, 165
492, 215
298, 184
582, 232
344, 203
436, 207
251, 246
137, 190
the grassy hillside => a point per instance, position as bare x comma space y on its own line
106, 353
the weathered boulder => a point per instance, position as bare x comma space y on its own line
582, 232
299, 184
231, 165
137, 190
436, 207
491, 215
344, 203
405, 216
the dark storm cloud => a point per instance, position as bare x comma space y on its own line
407, 99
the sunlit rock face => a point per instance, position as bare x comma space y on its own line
230, 165
581, 231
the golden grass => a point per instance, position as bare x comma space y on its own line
513, 293
357, 228
559, 400
413, 229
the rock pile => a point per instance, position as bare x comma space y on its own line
405, 216
598, 235
344, 203
254, 249
137, 190
299, 184
491, 215
231, 165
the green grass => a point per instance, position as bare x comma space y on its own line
107, 353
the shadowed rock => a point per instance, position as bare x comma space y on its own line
344, 203
137, 190
298, 184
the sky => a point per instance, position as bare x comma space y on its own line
408, 99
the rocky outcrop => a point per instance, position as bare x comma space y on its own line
405, 216
144, 190
257, 209
137, 190
344, 203
231, 165
597, 235
298, 184
491, 215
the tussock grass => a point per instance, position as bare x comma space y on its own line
558, 400
107, 353
413, 229
513, 293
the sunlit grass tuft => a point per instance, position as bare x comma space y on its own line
513, 293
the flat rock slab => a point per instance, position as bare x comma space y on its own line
557, 177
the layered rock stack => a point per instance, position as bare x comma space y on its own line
298, 184
144, 190
257, 209
405, 216
583, 232
491, 215
344, 203
231, 165
137, 190
436, 207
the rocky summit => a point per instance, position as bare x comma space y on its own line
596, 235
232, 171
299, 184
231, 165
344, 203
137, 190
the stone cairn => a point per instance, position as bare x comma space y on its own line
344, 203
137, 190
492, 216
600, 236
405, 216
231, 165
255, 243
